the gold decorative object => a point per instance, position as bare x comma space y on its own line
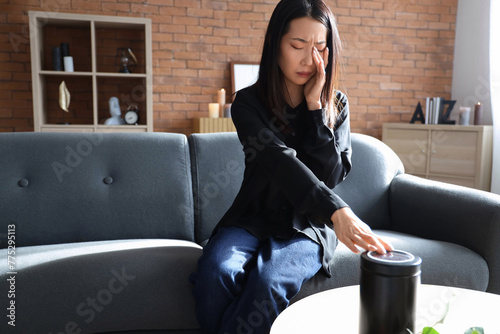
64, 97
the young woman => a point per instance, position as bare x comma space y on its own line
285, 222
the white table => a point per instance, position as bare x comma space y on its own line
337, 311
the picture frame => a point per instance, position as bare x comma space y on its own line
243, 74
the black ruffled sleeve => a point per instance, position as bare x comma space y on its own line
329, 151
306, 187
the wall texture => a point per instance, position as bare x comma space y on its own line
396, 53
471, 72
495, 93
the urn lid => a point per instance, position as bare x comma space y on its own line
393, 263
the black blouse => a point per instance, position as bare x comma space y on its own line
289, 174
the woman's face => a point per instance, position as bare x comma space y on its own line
295, 59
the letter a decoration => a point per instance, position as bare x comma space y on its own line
418, 115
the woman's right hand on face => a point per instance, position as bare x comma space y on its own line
352, 232
314, 87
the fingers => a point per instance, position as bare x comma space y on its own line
370, 242
387, 245
319, 61
314, 87
356, 241
325, 57
354, 233
375, 243
351, 245
366, 240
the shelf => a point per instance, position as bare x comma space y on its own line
121, 75
110, 38
121, 128
79, 35
90, 128
66, 128
97, 74
80, 108
93, 42
130, 91
62, 73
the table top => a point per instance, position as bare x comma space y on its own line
337, 311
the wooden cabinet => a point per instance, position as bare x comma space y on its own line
207, 125
455, 154
93, 42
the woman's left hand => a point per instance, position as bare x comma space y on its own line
354, 233
314, 87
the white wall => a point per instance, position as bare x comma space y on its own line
471, 70
495, 92
473, 78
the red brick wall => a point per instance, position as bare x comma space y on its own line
397, 52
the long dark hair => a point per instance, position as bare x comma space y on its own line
271, 82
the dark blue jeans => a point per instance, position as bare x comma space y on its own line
242, 284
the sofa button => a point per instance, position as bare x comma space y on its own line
23, 183
108, 180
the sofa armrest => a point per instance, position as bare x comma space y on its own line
441, 211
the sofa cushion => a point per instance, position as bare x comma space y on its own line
103, 286
218, 164
71, 187
443, 263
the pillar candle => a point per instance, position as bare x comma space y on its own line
68, 64
478, 113
221, 98
464, 116
213, 110
227, 110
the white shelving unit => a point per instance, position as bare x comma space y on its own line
93, 42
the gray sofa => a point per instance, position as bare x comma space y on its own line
108, 227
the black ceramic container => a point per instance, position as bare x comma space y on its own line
64, 50
388, 292
56, 59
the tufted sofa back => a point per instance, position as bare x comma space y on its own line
60, 188
218, 165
